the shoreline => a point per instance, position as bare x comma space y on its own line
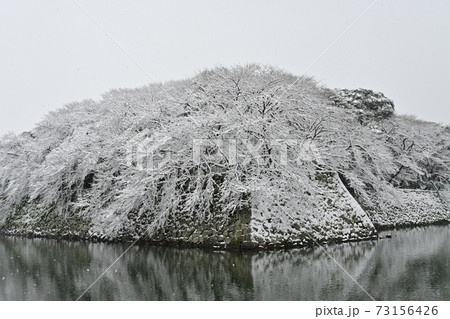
239, 247
381, 228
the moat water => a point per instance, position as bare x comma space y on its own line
412, 265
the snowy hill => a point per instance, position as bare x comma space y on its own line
230, 156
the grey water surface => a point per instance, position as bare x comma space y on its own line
412, 265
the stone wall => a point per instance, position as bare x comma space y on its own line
217, 231
334, 216
418, 207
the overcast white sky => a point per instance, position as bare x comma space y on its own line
52, 53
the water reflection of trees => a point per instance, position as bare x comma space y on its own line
412, 265
51, 270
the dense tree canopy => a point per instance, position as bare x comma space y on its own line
203, 145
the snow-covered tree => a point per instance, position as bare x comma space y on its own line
251, 125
